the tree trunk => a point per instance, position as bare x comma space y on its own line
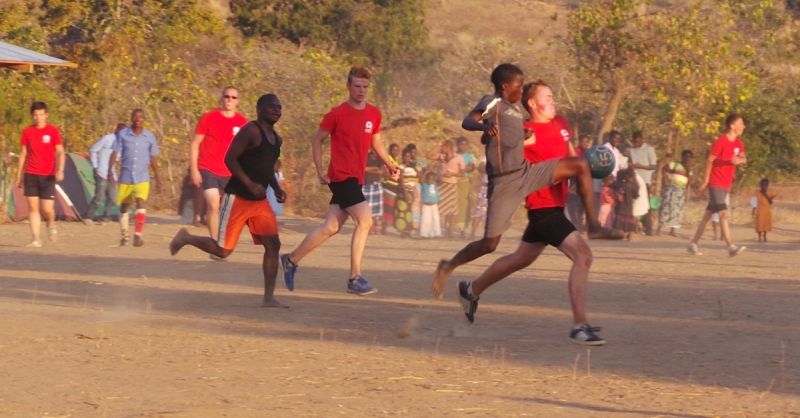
614, 103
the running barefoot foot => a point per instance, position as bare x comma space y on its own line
178, 241
271, 302
440, 276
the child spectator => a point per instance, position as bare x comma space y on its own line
763, 210
481, 203
655, 204
607, 203
430, 226
627, 190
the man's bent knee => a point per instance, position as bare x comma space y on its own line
488, 245
331, 228
272, 243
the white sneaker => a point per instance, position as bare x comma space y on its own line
52, 234
692, 248
735, 250
35, 244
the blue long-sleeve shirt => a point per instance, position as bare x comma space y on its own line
134, 153
100, 152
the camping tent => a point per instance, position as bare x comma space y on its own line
78, 185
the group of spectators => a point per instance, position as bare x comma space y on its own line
440, 195
630, 199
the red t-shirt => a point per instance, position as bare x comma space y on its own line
552, 141
723, 170
351, 133
40, 145
218, 134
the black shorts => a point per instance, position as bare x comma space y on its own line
717, 199
43, 187
213, 181
548, 225
346, 193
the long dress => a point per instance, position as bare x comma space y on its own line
407, 199
673, 198
764, 213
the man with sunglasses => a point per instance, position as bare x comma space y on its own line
212, 137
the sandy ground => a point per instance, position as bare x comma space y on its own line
88, 329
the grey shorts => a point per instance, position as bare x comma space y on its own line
717, 199
213, 181
506, 193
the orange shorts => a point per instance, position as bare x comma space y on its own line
236, 212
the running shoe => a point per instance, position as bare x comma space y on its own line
468, 301
124, 240
137, 240
585, 335
289, 269
693, 250
52, 234
360, 286
735, 250
35, 244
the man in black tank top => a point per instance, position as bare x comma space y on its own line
251, 159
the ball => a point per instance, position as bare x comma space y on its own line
601, 161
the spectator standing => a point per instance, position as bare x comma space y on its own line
105, 186
430, 227
643, 159
676, 175
763, 210
466, 198
373, 190
452, 169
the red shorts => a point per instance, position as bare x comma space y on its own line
236, 212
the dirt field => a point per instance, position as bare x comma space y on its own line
88, 329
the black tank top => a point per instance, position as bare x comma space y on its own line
259, 164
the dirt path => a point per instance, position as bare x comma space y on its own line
88, 329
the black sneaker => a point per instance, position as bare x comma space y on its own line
585, 335
468, 302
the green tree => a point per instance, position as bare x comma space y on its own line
382, 32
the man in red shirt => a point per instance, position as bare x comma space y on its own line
547, 224
354, 126
41, 165
727, 152
212, 137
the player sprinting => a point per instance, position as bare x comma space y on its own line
251, 160
547, 223
500, 117
354, 126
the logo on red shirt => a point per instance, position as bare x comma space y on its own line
46, 139
235, 130
368, 127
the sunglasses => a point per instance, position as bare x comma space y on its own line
229, 97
